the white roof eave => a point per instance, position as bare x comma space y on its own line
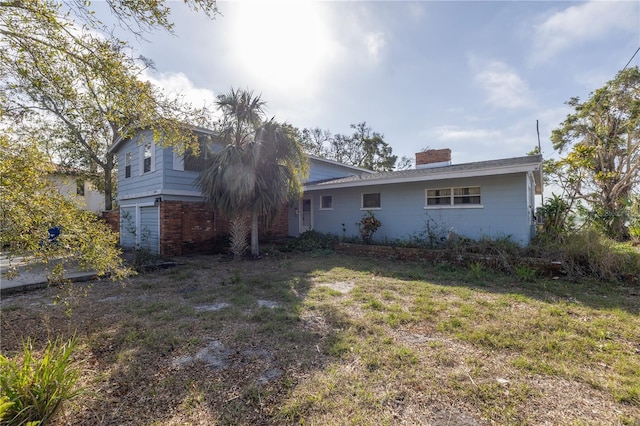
427, 177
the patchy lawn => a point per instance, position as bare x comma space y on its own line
332, 339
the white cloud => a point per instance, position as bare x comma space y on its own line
375, 43
178, 84
503, 85
582, 23
454, 133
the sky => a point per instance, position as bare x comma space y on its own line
472, 76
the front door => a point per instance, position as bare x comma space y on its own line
305, 218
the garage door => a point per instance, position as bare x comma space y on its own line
128, 226
149, 228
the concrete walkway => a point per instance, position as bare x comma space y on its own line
32, 276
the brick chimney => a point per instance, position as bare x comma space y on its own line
433, 158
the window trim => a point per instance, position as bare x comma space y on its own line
362, 207
152, 157
452, 196
322, 197
127, 165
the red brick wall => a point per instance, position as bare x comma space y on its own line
189, 227
112, 217
433, 156
185, 227
278, 227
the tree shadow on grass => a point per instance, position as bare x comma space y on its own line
218, 342
210, 342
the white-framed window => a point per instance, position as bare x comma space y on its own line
453, 197
370, 201
326, 202
147, 158
127, 165
439, 197
466, 196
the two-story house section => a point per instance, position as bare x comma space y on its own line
162, 208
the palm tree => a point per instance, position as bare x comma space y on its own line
259, 168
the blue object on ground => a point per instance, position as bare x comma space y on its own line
53, 234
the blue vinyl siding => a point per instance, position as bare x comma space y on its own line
321, 170
402, 213
137, 183
178, 180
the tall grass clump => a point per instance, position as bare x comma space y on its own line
590, 253
32, 390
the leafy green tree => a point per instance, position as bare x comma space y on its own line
601, 139
405, 163
259, 168
67, 85
83, 104
315, 141
31, 205
364, 148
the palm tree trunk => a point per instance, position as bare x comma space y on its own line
238, 232
255, 251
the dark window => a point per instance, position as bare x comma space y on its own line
147, 158
453, 196
438, 197
196, 163
371, 201
466, 195
326, 202
127, 165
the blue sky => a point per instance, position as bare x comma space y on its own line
471, 76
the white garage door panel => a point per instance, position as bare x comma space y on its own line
149, 228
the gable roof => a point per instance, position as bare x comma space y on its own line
118, 143
337, 163
529, 163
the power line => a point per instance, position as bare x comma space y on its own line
634, 55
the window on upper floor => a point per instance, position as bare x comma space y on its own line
193, 162
447, 197
370, 201
196, 163
146, 162
326, 202
147, 157
127, 165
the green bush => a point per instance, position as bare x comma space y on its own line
368, 225
311, 241
33, 390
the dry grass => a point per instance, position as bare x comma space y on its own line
333, 339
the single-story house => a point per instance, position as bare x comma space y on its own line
494, 199
162, 209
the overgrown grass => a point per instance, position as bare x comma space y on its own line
589, 254
343, 339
